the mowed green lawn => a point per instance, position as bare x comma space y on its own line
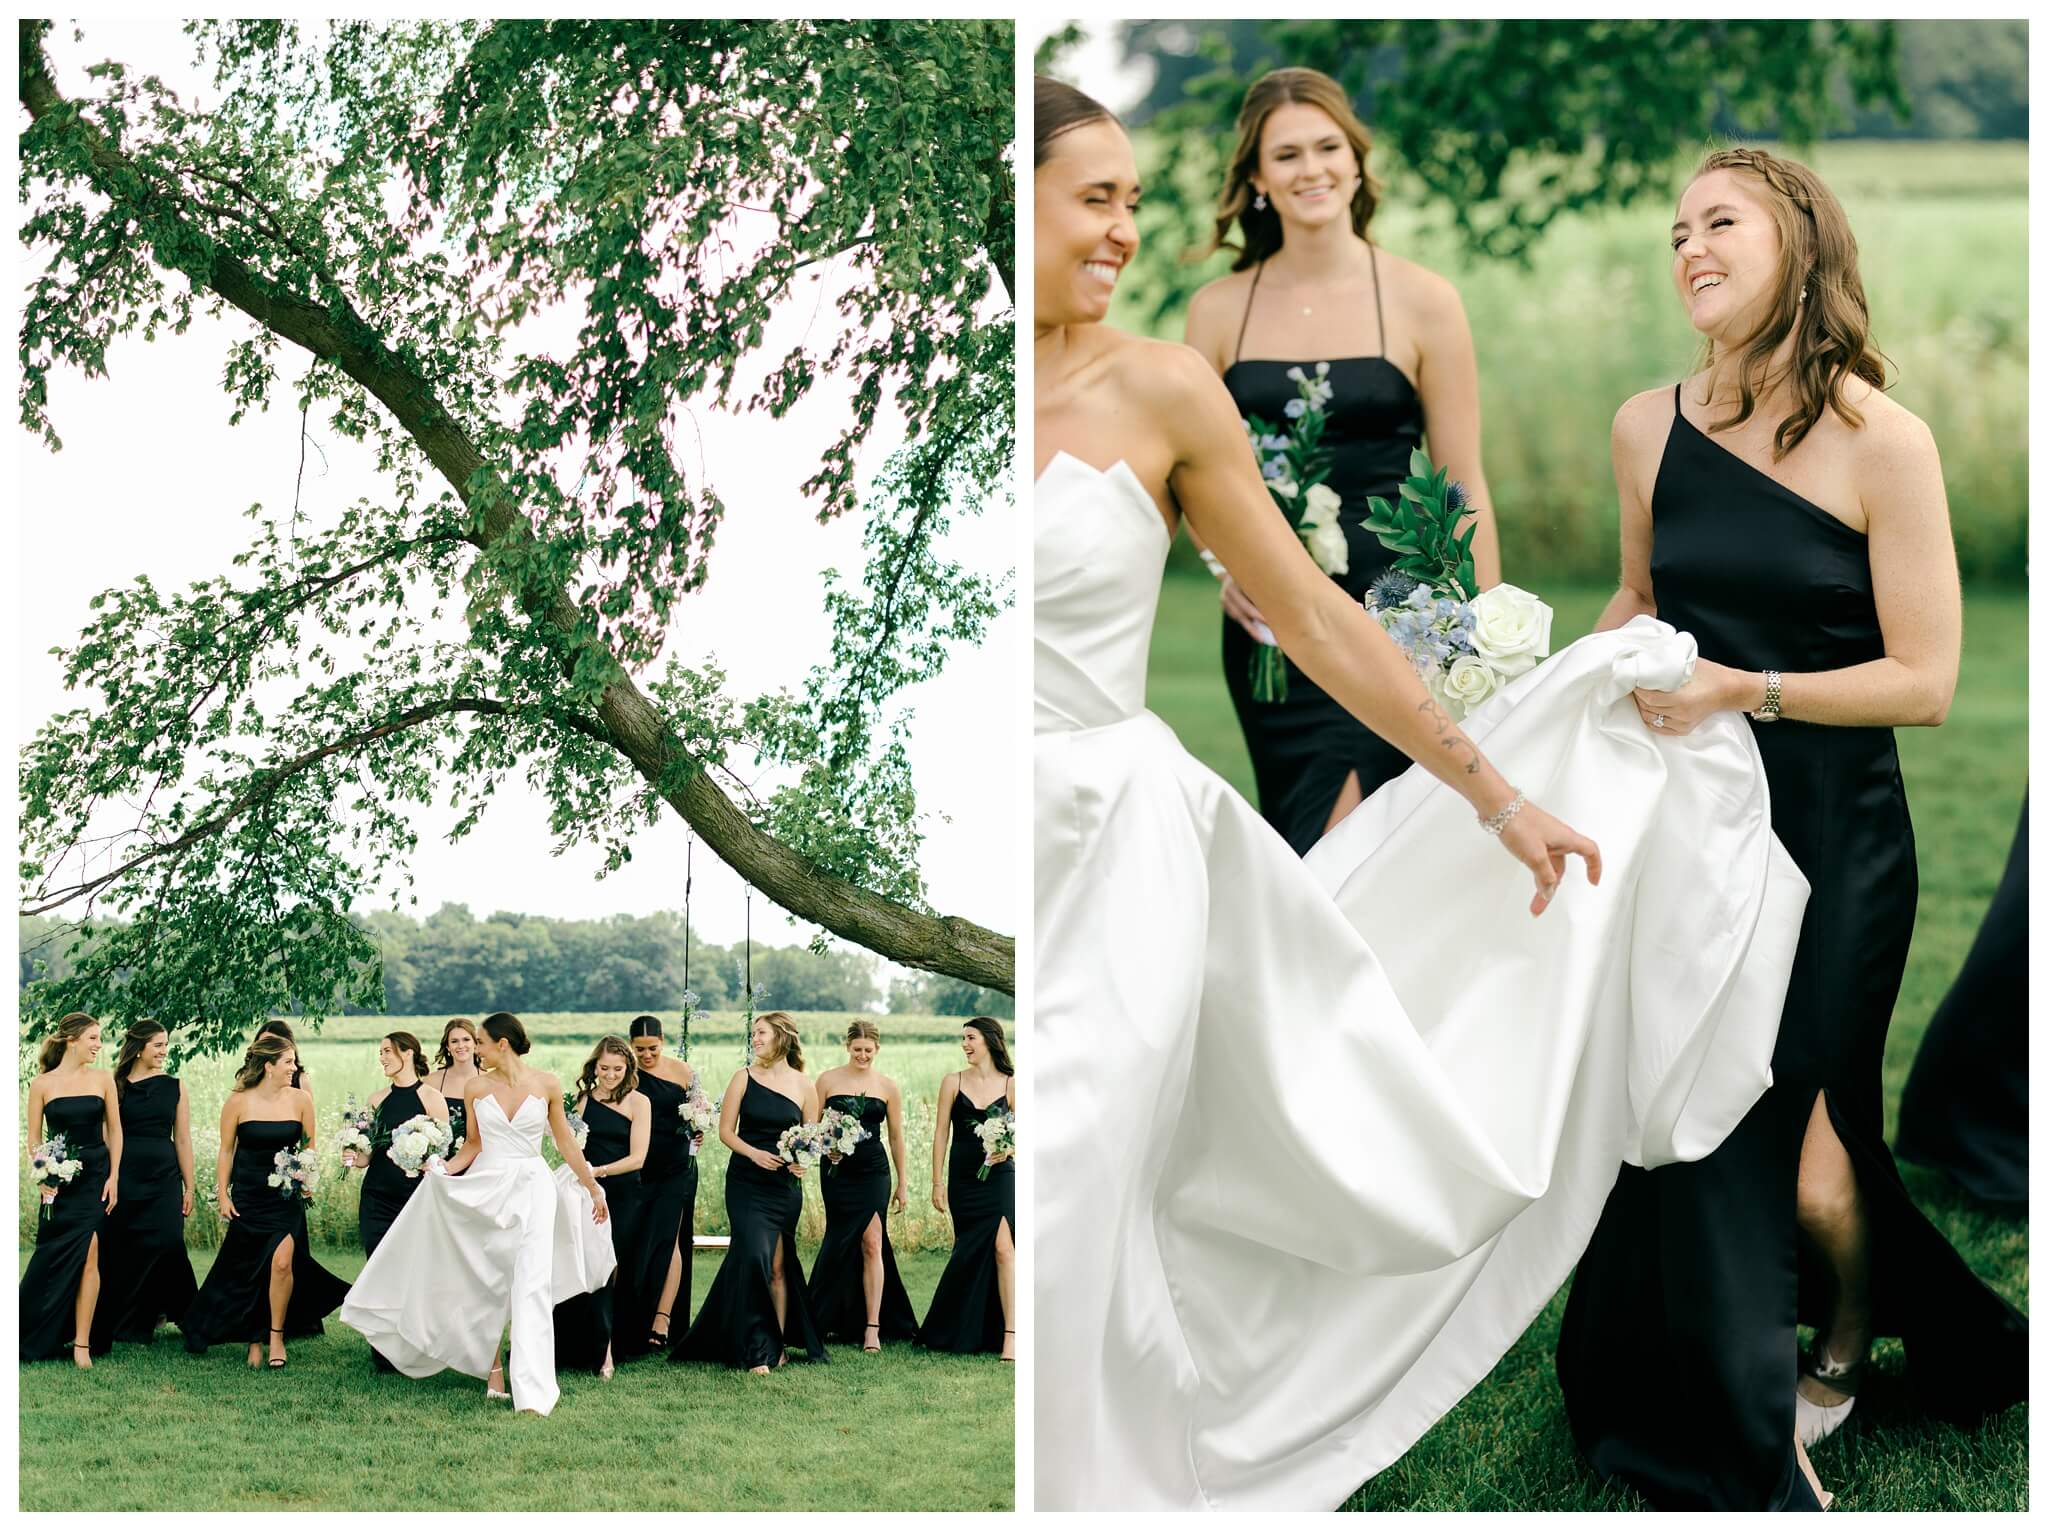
153, 1428
1507, 1446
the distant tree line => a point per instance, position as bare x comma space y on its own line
454, 963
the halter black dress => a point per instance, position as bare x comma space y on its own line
667, 1222
1303, 748
1965, 1106
736, 1326
386, 1189
966, 1314
1679, 1351
586, 1325
145, 1273
234, 1301
856, 1194
65, 1229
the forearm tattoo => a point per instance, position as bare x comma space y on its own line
1448, 736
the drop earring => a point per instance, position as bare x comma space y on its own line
1259, 203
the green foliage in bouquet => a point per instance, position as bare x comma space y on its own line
1421, 526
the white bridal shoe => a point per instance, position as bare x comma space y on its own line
1815, 1422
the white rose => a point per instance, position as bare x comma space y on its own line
1326, 545
1286, 488
1511, 629
1322, 503
1470, 681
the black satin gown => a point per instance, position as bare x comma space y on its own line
585, 1325
65, 1230
1965, 1106
668, 1218
1302, 748
856, 1194
1679, 1351
736, 1326
145, 1273
386, 1189
966, 1315
233, 1304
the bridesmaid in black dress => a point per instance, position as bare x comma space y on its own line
265, 1283
457, 1067
976, 1296
1298, 201
618, 1119
856, 1293
146, 1276
658, 1292
757, 1308
386, 1188
1804, 542
283, 1029
60, 1289
1965, 1106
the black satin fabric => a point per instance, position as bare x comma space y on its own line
586, 1325
668, 1219
146, 1275
386, 1189
1696, 1276
736, 1326
1965, 1106
65, 1230
856, 1194
1303, 748
234, 1301
966, 1314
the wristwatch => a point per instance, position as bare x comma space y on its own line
1773, 692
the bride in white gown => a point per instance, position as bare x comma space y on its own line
496, 1237
1317, 1140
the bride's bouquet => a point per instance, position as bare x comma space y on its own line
416, 1143
294, 1170
998, 1134
357, 1124
1465, 646
50, 1167
1296, 469
699, 1113
841, 1131
803, 1144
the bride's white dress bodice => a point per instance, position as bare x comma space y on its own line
1318, 1138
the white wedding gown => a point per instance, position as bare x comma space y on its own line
504, 1239
1316, 1140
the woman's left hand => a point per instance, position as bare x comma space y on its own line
111, 1195
185, 1204
1713, 688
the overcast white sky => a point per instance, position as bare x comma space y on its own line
153, 480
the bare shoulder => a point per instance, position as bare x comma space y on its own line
1417, 289
377, 1098
1645, 414
1892, 437
1215, 310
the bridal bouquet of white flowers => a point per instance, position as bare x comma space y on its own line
699, 1113
50, 1167
1296, 467
802, 1144
998, 1134
842, 1131
417, 1141
1465, 646
357, 1124
293, 1172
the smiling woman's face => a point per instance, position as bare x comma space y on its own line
1725, 253
1307, 167
1084, 198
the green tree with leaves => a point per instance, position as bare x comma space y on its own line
383, 208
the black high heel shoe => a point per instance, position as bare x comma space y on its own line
656, 1338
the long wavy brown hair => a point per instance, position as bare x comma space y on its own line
789, 1043
1260, 227
62, 1035
1829, 326
267, 1048
587, 1080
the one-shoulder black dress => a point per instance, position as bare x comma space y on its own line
966, 1314
586, 1325
856, 1196
65, 1229
1302, 748
736, 1326
1679, 1352
234, 1300
145, 1273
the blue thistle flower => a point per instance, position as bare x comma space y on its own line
1454, 497
1389, 590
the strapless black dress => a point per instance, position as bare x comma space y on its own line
234, 1301
966, 1314
1679, 1350
65, 1229
146, 1275
736, 1326
856, 1195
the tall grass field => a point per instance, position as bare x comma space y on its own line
153, 1428
1507, 1445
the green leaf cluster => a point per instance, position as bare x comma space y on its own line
1421, 528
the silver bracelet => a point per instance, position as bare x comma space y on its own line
1214, 564
1493, 824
